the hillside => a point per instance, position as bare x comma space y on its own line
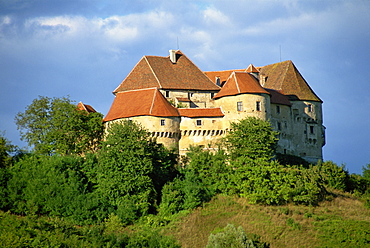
342, 222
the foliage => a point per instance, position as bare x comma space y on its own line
252, 138
151, 239
6, 148
184, 193
332, 175
232, 237
343, 233
129, 162
270, 183
55, 125
56, 186
210, 167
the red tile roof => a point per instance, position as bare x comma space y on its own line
278, 97
286, 77
183, 99
239, 83
223, 75
139, 103
201, 112
85, 107
160, 72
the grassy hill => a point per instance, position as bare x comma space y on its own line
340, 222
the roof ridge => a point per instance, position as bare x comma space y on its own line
153, 100
236, 82
160, 86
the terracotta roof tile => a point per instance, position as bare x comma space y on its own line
240, 83
139, 103
85, 107
286, 77
223, 75
183, 99
200, 112
160, 72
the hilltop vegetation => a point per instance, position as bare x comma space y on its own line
128, 191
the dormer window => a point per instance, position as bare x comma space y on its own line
218, 81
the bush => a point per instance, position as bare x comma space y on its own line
233, 237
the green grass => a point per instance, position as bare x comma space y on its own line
280, 226
340, 222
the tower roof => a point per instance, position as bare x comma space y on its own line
240, 83
162, 73
85, 107
285, 76
139, 103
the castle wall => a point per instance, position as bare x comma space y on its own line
198, 99
166, 130
200, 131
281, 121
247, 107
308, 130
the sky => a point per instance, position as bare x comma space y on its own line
85, 48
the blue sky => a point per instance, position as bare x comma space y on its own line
85, 48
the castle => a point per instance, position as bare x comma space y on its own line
181, 105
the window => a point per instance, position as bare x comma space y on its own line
278, 109
309, 108
279, 126
212, 95
167, 93
239, 106
218, 81
312, 129
163, 122
199, 122
258, 106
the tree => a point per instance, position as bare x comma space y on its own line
252, 138
129, 162
55, 125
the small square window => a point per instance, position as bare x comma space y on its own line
163, 122
239, 106
258, 106
199, 122
167, 93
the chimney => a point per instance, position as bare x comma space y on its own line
173, 56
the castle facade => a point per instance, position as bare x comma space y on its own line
180, 105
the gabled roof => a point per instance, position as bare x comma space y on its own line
278, 97
223, 75
286, 77
251, 68
200, 112
140, 102
85, 107
160, 72
240, 83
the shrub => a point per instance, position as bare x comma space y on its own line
231, 236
